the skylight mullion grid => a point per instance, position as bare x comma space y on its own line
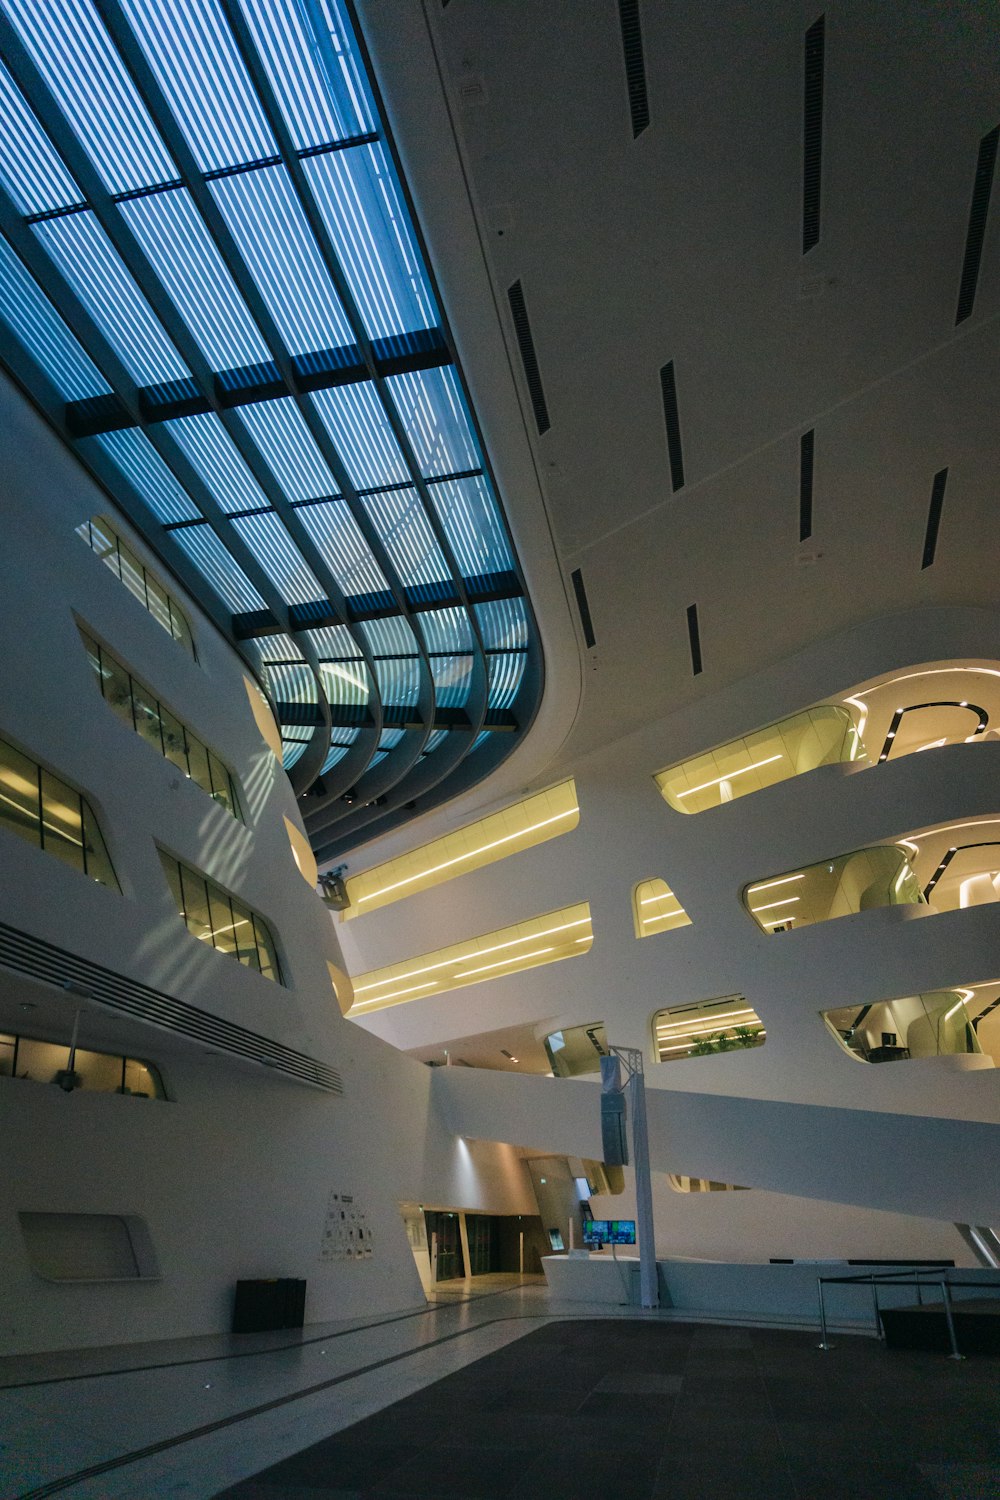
150, 89
307, 47
303, 189
113, 370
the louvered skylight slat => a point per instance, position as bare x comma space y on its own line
506, 672
190, 49
333, 641
281, 560
91, 265
405, 532
279, 430
346, 683
31, 168
279, 648
398, 680
36, 324
214, 454
319, 104
481, 739
345, 551
143, 467
187, 261
353, 416
270, 229
358, 199
452, 680
434, 740
468, 513
433, 414
338, 751
390, 738
75, 56
446, 630
291, 682
219, 568
503, 624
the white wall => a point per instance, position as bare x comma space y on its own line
233, 1172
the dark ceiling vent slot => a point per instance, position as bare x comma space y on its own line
812, 133
584, 608
635, 66
934, 516
806, 448
529, 359
978, 210
668, 385
694, 639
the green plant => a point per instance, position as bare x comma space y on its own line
725, 1041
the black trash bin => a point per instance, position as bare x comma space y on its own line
260, 1306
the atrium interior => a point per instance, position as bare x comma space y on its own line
500, 617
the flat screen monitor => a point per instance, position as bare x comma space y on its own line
609, 1231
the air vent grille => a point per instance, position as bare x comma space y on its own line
978, 210
934, 517
812, 132
38, 959
694, 639
635, 66
671, 416
806, 449
529, 359
584, 608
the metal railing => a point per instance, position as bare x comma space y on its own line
896, 1278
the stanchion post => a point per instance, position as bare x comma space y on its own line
949, 1315
878, 1320
824, 1342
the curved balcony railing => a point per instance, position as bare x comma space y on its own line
878, 876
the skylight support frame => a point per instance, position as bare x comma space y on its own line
387, 761
479, 686
353, 764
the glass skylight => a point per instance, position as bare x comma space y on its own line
209, 196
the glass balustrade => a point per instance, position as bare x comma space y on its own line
936, 1023
815, 737
878, 876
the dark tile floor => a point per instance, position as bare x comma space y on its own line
633, 1410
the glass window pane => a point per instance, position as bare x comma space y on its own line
105, 543
101, 1072
157, 602
62, 821
266, 950
179, 628
245, 937
174, 740
133, 574
143, 1080
41, 1061
147, 716
195, 905
223, 934
99, 866
19, 809
221, 783
7, 1044
116, 686
198, 760
172, 871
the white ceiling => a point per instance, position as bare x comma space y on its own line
684, 245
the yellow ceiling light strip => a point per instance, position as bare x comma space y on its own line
545, 815
653, 904
562, 934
